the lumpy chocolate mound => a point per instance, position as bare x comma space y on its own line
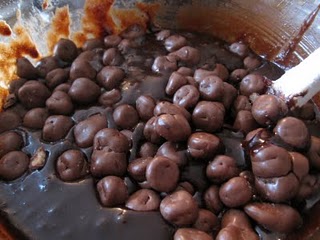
154, 135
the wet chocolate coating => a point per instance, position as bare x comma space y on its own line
235, 192
162, 174
46, 199
13, 165
10, 141
35, 118
65, 50
25, 69
293, 131
84, 91
56, 127
174, 211
33, 94
191, 234
206, 221
72, 165
85, 130
143, 200
112, 191
274, 217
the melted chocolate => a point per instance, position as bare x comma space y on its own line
41, 206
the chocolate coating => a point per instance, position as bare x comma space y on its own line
46, 65
165, 64
165, 107
125, 116
271, 161
150, 132
221, 169
293, 132
208, 116
212, 199
145, 106
84, 91
109, 98
235, 192
111, 139
176, 81
56, 77
274, 217
35, 118
239, 48
112, 57
202, 145
112, 191
173, 128
33, 94
191, 234
211, 88
174, 42
72, 165
112, 40
10, 141
174, 151
59, 103
137, 168
245, 122
106, 162
162, 174
65, 50
233, 232
278, 189
110, 77
56, 127
85, 130
252, 83
9, 120
206, 221
300, 164
179, 208
148, 149
143, 200
25, 69
188, 55
187, 96
268, 109
314, 152
13, 165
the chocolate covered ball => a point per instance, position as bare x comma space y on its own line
252, 83
173, 128
187, 96
202, 145
59, 103
9, 120
10, 141
212, 199
84, 91
206, 221
85, 130
56, 127
174, 42
235, 192
125, 116
268, 109
13, 165
145, 106
56, 77
33, 94
293, 132
208, 116
25, 69
65, 50
137, 168
174, 151
35, 118
143, 200
211, 88
179, 208
111, 140
176, 81
314, 152
162, 174
271, 161
72, 165
221, 169
191, 234
110, 77
274, 217
112, 191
